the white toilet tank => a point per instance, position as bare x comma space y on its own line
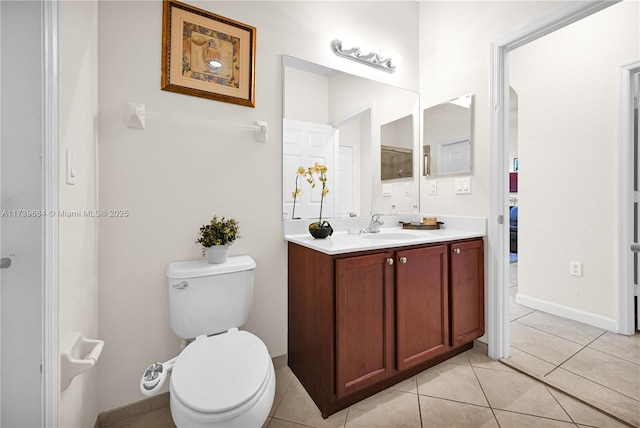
207, 298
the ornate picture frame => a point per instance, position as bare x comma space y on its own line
207, 55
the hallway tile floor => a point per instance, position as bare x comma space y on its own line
598, 367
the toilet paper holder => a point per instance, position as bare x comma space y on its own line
77, 355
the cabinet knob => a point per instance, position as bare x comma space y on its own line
456, 250
403, 259
390, 261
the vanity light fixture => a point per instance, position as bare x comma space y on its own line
372, 59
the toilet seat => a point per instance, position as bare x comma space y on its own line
221, 373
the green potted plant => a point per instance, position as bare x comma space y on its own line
217, 236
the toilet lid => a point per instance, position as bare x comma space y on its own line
219, 373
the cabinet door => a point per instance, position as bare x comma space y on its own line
364, 321
467, 291
422, 318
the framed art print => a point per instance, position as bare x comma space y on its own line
207, 55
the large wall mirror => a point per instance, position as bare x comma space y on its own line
448, 137
338, 119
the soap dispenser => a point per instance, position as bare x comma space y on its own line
394, 211
415, 215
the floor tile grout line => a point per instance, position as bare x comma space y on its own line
564, 390
415, 379
535, 356
485, 394
522, 316
455, 401
346, 417
553, 334
573, 355
598, 383
560, 404
584, 377
607, 353
535, 416
293, 422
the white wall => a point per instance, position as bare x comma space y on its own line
173, 177
78, 258
454, 60
567, 91
568, 163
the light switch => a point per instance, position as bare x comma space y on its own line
386, 190
433, 187
463, 185
71, 166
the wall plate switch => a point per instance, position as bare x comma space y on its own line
433, 187
463, 185
71, 166
386, 189
575, 268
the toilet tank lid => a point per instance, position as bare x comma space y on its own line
198, 268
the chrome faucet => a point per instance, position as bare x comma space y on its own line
374, 224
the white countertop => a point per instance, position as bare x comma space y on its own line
342, 242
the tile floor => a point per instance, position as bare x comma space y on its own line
471, 390
596, 366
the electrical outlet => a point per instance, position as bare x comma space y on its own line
575, 268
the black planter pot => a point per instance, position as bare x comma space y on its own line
320, 231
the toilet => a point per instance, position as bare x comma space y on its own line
225, 377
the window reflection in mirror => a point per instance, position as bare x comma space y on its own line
448, 138
337, 119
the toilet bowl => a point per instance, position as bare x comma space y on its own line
226, 380
225, 377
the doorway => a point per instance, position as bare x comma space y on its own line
498, 268
617, 203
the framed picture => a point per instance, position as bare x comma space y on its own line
515, 164
207, 55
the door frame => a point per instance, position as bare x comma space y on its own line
626, 197
498, 274
50, 165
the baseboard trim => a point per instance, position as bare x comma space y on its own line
132, 410
567, 312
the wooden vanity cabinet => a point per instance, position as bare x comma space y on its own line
422, 305
364, 321
361, 322
467, 291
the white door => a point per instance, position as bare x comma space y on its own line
304, 144
22, 242
346, 194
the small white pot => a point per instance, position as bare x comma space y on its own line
218, 253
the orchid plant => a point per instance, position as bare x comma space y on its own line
310, 173
298, 192
321, 172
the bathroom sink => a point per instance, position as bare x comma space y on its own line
391, 235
